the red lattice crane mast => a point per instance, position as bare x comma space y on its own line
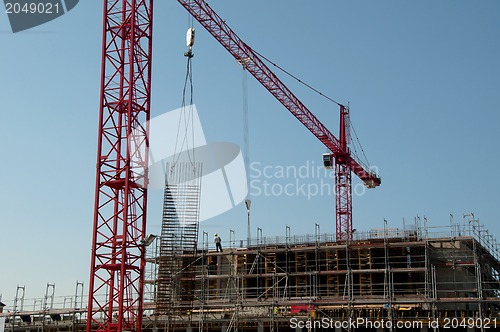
345, 161
118, 251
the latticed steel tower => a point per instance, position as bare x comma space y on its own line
117, 263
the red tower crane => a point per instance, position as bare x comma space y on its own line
345, 161
118, 251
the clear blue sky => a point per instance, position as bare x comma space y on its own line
422, 79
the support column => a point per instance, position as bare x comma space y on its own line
119, 223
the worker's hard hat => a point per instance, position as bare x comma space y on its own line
215, 234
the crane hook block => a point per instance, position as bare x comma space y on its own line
190, 37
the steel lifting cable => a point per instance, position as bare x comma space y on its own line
359, 142
186, 117
321, 94
246, 139
297, 79
189, 118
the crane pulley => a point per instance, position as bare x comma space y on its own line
189, 42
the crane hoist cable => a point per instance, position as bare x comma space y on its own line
359, 143
349, 133
186, 118
246, 138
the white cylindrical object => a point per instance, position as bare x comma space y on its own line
190, 37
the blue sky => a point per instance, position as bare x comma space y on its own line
422, 79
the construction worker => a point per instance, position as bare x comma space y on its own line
217, 242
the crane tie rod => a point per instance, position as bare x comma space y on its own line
313, 89
297, 79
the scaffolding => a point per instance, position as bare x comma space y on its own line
47, 313
417, 273
179, 236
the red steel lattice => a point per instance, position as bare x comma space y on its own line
117, 261
244, 54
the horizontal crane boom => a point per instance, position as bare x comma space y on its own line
244, 54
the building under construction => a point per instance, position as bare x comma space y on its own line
415, 276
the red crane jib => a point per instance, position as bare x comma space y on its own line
244, 54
